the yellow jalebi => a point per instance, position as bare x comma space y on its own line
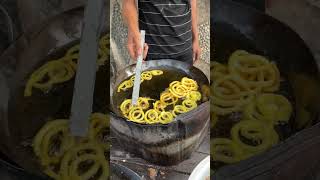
159, 106
156, 72
86, 152
228, 96
146, 75
225, 150
255, 71
136, 114
99, 124
168, 98
46, 76
143, 102
191, 84
184, 91
63, 69
194, 95
46, 136
133, 77
248, 138
261, 135
245, 75
125, 85
125, 106
269, 107
151, 116
165, 117
246, 84
177, 89
179, 109
53, 144
189, 104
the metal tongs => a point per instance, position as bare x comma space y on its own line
86, 71
137, 77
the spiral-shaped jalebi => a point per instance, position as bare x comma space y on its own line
61, 155
261, 136
184, 91
246, 84
146, 75
228, 96
225, 150
85, 152
63, 69
269, 107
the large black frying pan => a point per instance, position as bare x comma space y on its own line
235, 26
161, 144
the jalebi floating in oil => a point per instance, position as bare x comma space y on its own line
146, 112
63, 69
62, 156
273, 108
146, 75
247, 84
84, 152
225, 150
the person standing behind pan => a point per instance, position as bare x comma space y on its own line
171, 29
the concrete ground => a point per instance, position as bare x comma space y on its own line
120, 57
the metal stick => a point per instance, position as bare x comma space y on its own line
137, 80
86, 70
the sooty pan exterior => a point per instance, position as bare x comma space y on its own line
234, 26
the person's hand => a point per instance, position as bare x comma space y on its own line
196, 50
134, 46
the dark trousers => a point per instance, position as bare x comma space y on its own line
187, 57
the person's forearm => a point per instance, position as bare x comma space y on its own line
130, 15
194, 20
